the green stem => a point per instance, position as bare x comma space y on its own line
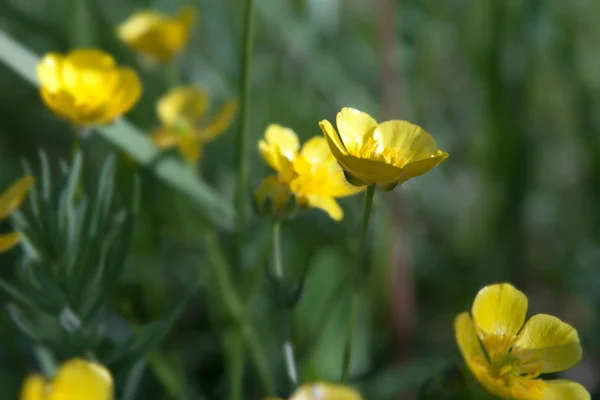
362, 248
240, 149
288, 347
236, 363
233, 306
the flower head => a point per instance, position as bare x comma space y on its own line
75, 380
155, 35
385, 154
182, 114
323, 391
311, 172
507, 354
87, 87
10, 200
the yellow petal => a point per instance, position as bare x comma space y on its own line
9, 240
279, 150
284, 138
499, 310
12, 197
416, 168
333, 138
316, 150
34, 388
80, 379
354, 126
563, 389
126, 96
183, 104
327, 204
409, 141
49, 72
165, 138
468, 343
325, 391
552, 342
221, 121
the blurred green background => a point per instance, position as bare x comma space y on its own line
509, 88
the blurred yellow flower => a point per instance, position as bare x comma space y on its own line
76, 379
312, 172
507, 355
156, 35
10, 200
87, 87
323, 391
386, 154
181, 113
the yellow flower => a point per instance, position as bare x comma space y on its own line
312, 172
386, 154
156, 35
323, 391
87, 87
10, 200
507, 355
76, 379
181, 112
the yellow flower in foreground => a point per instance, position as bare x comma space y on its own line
312, 172
87, 87
386, 154
181, 113
507, 355
323, 391
156, 35
10, 200
76, 379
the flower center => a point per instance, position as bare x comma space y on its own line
375, 151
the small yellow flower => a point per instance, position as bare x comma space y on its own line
76, 379
507, 355
156, 35
10, 200
386, 154
312, 172
181, 113
87, 87
323, 391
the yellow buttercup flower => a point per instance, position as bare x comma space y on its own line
87, 87
182, 112
312, 172
386, 154
76, 379
10, 200
156, 35
507, 355
323, 391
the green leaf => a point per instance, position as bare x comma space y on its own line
148, 337
125, 136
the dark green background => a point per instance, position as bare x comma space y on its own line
511, 89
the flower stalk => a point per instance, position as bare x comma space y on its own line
241, 145
362, 248
233, 306
288, 347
